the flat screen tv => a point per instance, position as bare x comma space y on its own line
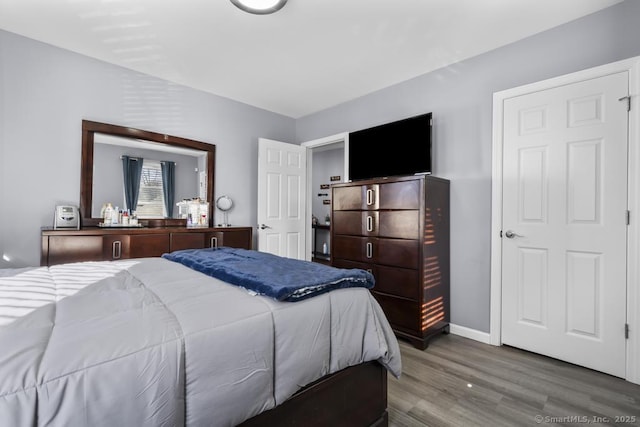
398, 148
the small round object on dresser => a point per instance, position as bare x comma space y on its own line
224, 203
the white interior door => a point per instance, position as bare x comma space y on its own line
281, 198
565, 223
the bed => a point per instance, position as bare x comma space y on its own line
152, 342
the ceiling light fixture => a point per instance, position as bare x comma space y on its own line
260, 7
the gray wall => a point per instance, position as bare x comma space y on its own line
460, 97
45, 92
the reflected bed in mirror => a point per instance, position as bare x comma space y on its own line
130, 167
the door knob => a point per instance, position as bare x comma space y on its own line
510, 234
263, 226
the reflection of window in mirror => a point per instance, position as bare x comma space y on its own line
151, 198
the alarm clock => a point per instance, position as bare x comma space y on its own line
66, 217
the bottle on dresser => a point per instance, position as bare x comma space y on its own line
115, 217
108, 213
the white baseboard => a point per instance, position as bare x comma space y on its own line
473, 334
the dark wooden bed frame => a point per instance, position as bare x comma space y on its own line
353, 397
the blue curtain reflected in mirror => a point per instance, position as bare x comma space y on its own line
131, 170
168, 186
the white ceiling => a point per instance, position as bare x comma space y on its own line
311, 55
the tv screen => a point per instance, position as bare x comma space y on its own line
392, 149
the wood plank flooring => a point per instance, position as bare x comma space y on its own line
460, 382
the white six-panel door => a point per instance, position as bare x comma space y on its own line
564, 222
281, 198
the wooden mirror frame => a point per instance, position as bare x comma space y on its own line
89, 129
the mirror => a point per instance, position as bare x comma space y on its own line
224, 203
105, 145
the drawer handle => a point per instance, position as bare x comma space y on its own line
369, 249
369, 223
369, 197
116, 249
214, 242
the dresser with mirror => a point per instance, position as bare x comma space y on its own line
158, 228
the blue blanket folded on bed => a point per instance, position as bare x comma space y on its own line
284, 279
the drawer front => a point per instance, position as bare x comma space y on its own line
388, 195
135, 245
347, 198
355, 197
400, 195
241, 239
395, 224
399, 224
148, 245
349, 248
400, 282
396, 253
64, 249
402, 314
115, 247
356, 223
392, 252
180, 241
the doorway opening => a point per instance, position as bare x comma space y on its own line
327, 163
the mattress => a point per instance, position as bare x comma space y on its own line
150, 342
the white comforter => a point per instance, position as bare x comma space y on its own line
149, 342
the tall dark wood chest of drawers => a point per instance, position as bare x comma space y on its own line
398, 229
